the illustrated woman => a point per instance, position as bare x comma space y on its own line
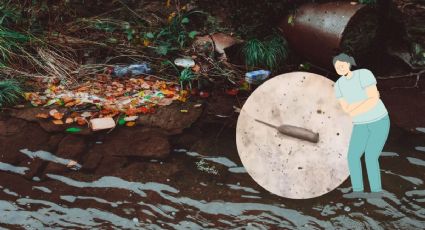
359, 97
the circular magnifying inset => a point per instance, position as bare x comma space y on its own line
292, 136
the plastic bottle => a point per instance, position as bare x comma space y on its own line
257, 76
131, 70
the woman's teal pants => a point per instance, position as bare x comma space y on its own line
370, 139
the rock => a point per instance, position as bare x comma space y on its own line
221, 41
35, 167
149, 171
133, 142
50, 127
92, 159
170, 119
53, 143
109, 165
28, 114
11, 126
71, 147
30, 136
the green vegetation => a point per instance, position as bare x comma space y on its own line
10, 92
269, 53
10, 42
186, 75
175, 35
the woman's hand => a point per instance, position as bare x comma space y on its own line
357, 108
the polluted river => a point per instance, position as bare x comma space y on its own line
205, 187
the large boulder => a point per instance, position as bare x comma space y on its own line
171, 119
135, 142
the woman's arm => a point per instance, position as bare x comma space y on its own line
349, 107
365, 105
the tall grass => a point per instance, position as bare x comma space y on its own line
10, 43
10, 92
270, 53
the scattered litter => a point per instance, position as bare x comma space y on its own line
131, 70
196, 68
197, 105
131, 118
69, 120
232, 92
86, 114
184, 62
53, 112
102, 123
121, 121
105, 97
81, 121
204, 94
255, 77
71, 164
42, 115
57, 122
73, 130
221, 116
130, 124
184, 110
237, 110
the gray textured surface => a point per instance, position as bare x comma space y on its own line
287, 166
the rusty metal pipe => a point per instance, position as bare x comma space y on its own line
317, 30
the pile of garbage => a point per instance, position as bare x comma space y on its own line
98, 101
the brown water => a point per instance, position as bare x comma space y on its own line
207, 191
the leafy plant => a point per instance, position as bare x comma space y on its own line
269, 53
175, 35
186, 75
10, 92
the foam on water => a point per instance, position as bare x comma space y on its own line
43, 189
416, 161
389, 154
421, 129
115, 182
420, 148
413, 180
11, 168
49, 157
72, 199
246, 189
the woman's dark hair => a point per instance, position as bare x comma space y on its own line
345, 58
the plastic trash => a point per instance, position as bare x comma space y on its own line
73, 130
255, 77
102, 123
184, 62
131, 70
